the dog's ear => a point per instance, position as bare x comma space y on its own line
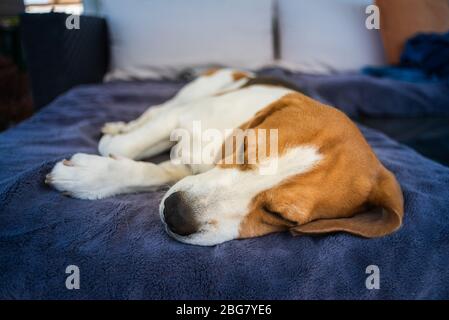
384, 216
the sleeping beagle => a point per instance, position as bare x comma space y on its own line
327, 177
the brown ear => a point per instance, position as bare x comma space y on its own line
385, 217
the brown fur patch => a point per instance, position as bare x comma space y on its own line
210, 72
340, 193
237, 75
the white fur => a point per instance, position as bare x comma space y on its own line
223, 195
202, 87
226, 111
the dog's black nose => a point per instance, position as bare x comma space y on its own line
179, 216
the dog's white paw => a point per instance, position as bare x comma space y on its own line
113, 128
90, 177
120, 145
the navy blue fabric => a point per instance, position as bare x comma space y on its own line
123, 252
400, 73
428, 52
359, 95
425, 58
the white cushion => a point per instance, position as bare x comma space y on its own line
160, 38
324, 36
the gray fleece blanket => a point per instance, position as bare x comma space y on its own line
123, 252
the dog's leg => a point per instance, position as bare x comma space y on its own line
113, 128
147, 140
201, 87
92, 177
188, 93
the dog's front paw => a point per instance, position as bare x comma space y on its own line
113, 128
87, 176
120, 145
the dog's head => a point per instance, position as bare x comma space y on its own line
328, 179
